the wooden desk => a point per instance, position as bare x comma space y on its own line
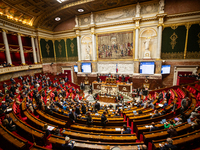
107, 99
15, 141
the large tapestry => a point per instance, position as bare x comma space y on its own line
193, 46
115, 45
47, 50
173, 42
72, 49
60, 50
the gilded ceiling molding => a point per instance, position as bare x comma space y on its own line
43, 17
183, 14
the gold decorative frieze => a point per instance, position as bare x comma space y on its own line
48, 60
193, 55
173, 55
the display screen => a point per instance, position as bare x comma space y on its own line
147, 67
86, 67
75, 68
165, 69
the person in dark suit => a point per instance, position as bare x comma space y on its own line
123, 78
1, 93
73, 116
172, 131
104, 119
89, 119
169, 145
4, 85
77, 111
83, 108
153, 128
97, 106
168, 96
126, 130
67, 145
46, 130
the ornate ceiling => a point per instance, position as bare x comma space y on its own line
42, 13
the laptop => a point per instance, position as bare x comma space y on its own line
189, 121
163, 121
176, 119
135, 112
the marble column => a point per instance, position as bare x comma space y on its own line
136, 42
5, 41
79, 48
94, 47
38, 51
159, 41
34, 52
21, 49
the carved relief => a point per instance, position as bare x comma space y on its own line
84, 20
115, 14
107, 68
149, 8
125, 68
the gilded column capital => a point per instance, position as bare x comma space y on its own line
160, 24
32, 36
138, 27
4, 30
92, 31
19, 34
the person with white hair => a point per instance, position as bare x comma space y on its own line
169, 145
68, 144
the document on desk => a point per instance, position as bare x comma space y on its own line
117, 129
50, 128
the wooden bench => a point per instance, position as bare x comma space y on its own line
14, 142
180, 141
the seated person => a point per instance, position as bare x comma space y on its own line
68, 144
1, 93
168, 124
126, 130
196, 124
153, 128
9, 126
4, 85
178, 121
156, 114
169, 145
57, 132
89, 119
172, 131
165, 104
194, 114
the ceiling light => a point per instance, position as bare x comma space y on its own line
80, 10
57, 18
60, 1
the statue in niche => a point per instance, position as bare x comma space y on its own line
146, 44
92, 18
138, 10
76, 21
162, 5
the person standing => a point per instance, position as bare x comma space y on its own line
104, 119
